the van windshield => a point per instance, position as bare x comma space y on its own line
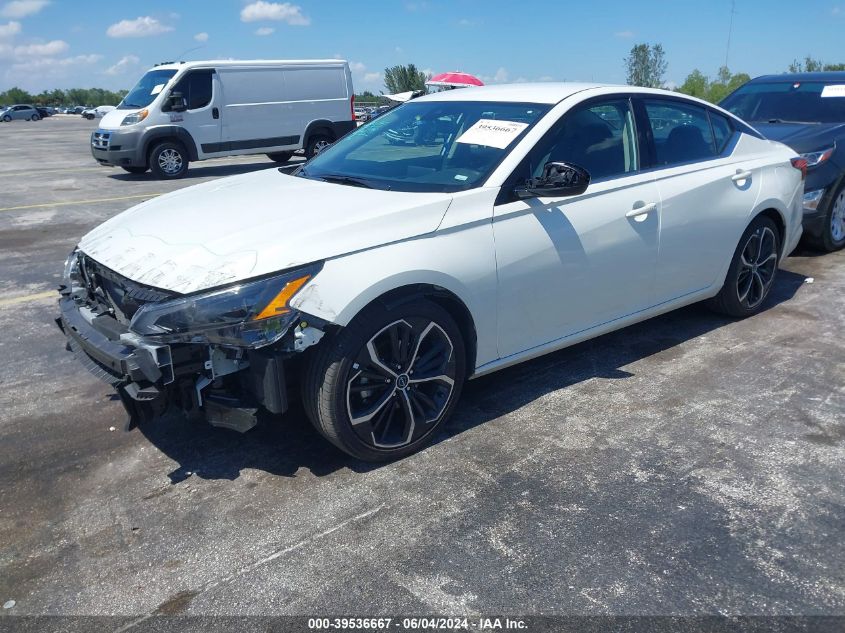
427, 146
146, 89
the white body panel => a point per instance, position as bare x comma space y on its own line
535, 275
256, 107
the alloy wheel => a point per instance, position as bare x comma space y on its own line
170, 161
758, 263
837, 218
401, 383
319, 146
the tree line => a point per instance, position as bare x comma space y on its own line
646, 66
57, 97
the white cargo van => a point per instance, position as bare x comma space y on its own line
189, 111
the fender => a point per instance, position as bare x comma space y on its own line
161, 132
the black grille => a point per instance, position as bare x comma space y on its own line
118, 294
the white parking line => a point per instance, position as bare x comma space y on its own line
68, 202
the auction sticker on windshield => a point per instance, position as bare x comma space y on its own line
492, 133
833, 91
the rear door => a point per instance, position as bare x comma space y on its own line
707, 186
201, 90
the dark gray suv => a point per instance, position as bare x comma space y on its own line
807, 112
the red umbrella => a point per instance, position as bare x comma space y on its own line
454, 79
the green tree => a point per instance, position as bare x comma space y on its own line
404, 78
646, 65
15, 95
697, 84
836, 67
808, 65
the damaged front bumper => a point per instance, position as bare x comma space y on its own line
226, 386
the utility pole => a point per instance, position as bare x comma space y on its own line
730, 31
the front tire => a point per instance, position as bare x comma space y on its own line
752, 271
169, 160
7, 118
380, 388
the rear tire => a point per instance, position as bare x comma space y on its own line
34, 117
360, 389
280, 157
832, 237
752, 271
135, 169
316, 144
169, 160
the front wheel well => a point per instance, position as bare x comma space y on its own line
447, 300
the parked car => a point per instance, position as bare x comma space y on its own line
807, 112
176, 114
45, 112
78, 109
97, 113
20, 113
379, 277
361, 114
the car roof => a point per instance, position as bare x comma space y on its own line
831, 75
544, 92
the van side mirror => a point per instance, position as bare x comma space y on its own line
558, 179
176, 102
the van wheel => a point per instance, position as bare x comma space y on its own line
169, 160
140, 169
382, 387
752, 271
316, 144
280, 157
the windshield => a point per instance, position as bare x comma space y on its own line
776, 102
146, 89
434, 146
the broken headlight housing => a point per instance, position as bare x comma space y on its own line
248, 314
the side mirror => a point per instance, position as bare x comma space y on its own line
176, 102
558, 179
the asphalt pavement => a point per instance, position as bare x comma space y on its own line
689, 465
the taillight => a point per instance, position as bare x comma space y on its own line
352, 108
801, 165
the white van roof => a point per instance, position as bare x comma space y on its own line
251, 62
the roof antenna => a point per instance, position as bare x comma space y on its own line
730, 31
190, 50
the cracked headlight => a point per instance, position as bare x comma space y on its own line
250, 314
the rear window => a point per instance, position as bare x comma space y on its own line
681, 131
723, 130
799, 101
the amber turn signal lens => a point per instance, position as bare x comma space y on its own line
279, 304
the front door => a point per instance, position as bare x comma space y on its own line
566, 265
201, 90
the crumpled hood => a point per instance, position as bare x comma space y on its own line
245, 226
802, 137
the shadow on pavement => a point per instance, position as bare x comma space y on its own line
199, 170
281, 445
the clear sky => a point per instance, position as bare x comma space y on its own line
108, 43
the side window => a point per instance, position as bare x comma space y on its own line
681, 131
600, 137
723, 130
195, 88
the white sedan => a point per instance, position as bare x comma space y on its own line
97, 113
512, 221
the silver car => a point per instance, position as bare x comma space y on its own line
20, 112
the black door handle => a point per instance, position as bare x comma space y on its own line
215, 113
